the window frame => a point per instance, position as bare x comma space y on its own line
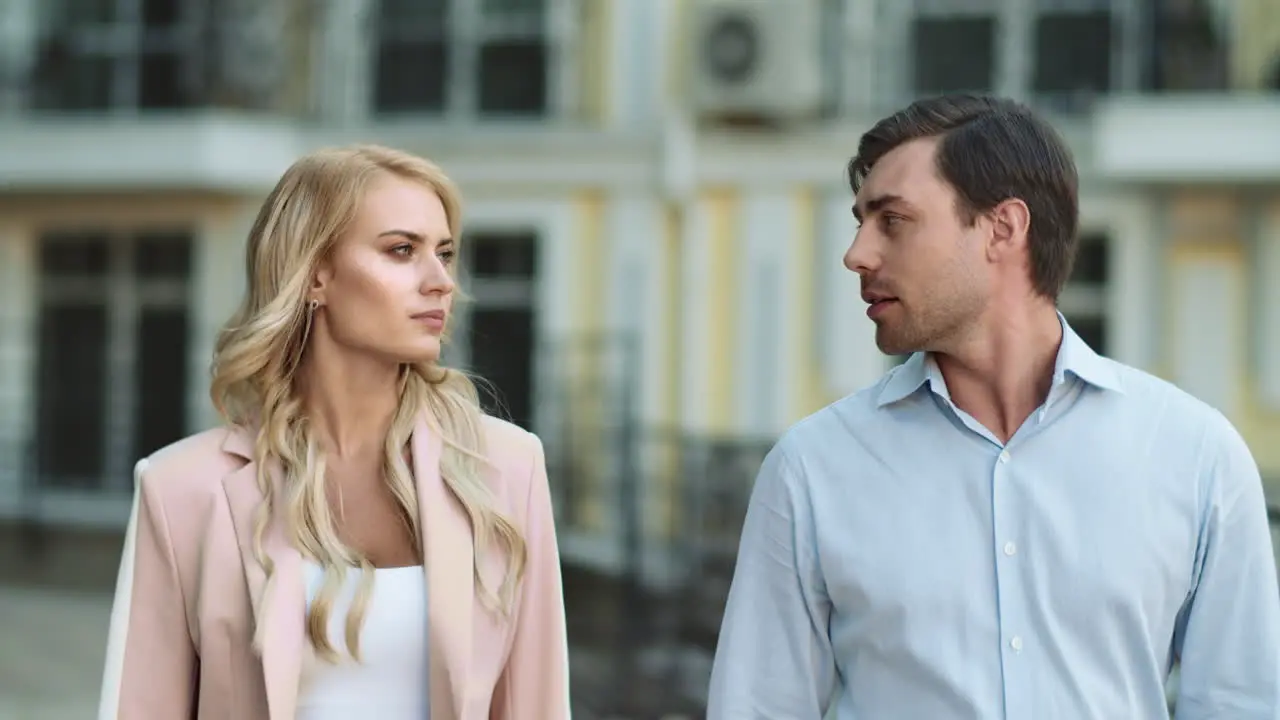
127, 294
468, 29
1014, 51
123, 43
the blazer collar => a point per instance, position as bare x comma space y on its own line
447, 551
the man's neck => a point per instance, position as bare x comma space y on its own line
1002, 371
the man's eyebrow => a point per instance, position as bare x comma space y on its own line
874, 205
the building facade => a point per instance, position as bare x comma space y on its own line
655, 205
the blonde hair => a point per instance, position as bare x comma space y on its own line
258, 352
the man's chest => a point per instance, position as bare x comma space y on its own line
967, 540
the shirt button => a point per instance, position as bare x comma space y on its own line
1016, 643
1010, 548
1004, 456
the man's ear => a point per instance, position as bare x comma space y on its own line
1010, 225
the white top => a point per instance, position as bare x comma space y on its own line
390, 681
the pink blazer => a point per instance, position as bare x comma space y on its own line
180, 640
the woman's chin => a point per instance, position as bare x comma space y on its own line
424, 351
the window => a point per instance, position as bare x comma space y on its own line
1084, 300
487, 57
120, 54
953, 46
500, 324
1073, 55
953, 54
111, 377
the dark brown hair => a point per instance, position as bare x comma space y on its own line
991, 150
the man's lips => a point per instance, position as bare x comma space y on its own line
876, 306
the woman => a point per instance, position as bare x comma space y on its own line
359, 540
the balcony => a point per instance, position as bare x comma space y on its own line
1179, 138
1207, 105
197, 95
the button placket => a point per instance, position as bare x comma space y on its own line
1010, 598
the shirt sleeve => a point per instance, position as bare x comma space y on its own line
774, 658
1228, 634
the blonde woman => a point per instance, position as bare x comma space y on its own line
359, 540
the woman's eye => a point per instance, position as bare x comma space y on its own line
446, 256
402, 250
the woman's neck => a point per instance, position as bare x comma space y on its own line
351, 401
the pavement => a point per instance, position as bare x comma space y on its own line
52, 652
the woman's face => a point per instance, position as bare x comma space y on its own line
386, 287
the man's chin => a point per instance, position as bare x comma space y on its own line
892, 344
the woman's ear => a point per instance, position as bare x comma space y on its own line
319, 285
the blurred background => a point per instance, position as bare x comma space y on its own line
656, 212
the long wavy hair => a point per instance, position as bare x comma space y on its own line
254, 387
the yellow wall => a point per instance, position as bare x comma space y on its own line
1255, 47
590, 255
722, 208
1211, 225
810, 395
595, 18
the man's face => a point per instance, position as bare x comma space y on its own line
922, 266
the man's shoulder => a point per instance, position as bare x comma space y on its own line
1182, 419
1157, 398
832, 426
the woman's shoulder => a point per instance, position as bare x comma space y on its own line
517, 452
194, 463
506, 439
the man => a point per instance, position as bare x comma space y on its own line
1007, 525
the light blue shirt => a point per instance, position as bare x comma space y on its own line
899, 562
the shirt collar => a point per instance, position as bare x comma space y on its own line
1075, 357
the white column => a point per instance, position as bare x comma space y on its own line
1132, 302
1015, 38
217, 287
344, 66
636, 292
1267, 289
857, 51
850, 358
637, 62
18, 308
762, 295
19, 29
893, 84
1208, 327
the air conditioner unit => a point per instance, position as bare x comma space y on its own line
757, 58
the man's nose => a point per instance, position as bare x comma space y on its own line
860, 257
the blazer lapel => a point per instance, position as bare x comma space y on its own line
283, 619
447, 552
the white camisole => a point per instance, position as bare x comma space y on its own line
390, 681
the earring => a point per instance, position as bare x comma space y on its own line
313, 305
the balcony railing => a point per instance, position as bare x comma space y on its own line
250, 61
